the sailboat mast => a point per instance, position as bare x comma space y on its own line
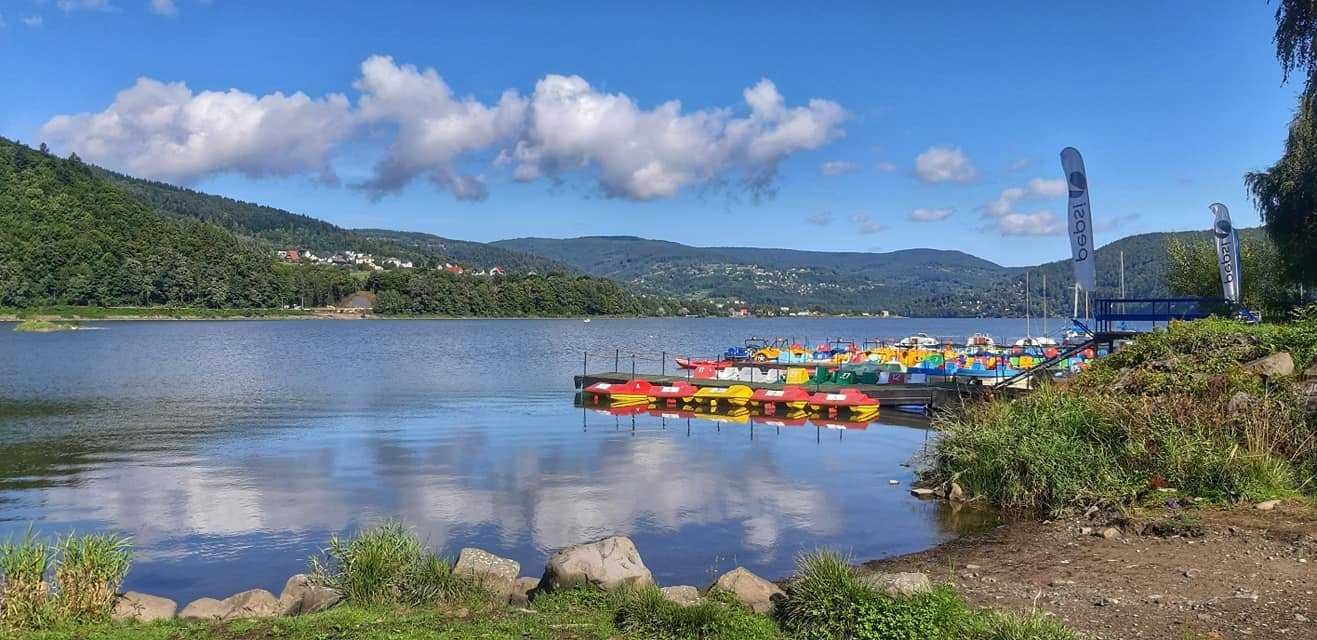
1028, 323
1122, 274
1044, 304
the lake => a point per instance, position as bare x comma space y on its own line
232, 450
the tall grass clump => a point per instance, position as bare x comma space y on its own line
828, 601
25, 598
91, 568
1175, 408
647, 614
389, 565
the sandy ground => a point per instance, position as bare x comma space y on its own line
1250, 574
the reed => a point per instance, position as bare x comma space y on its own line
91, 568
25, 598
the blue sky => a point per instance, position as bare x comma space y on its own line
557, 119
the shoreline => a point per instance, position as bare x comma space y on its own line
99, 314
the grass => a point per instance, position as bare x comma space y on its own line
90, 570
136, 313
1157, 414
40, 326
827, 600
389, 565
645, 613
87, 572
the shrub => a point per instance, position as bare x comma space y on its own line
25, 599
646, 613
388, 565
1157, 413
91, 568
826, 601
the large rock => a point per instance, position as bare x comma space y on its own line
255, 603
608, 564
143, 607
754, 592
498, 575
522, 589
903, 584
682, 595
1276, 365
300, 596
204, 609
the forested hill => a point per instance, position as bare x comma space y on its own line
279, 229
915, 282
69, 237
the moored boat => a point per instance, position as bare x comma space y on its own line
736, 395
980, 341
672, 394
849, 399
791, 397
632, 392
918, 340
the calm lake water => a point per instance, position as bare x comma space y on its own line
231, 451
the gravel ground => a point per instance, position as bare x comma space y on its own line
1244, 573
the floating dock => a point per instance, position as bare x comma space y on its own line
930, 395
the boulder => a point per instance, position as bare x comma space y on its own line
204, 609
682, 595
904, 584
300, 596
498, 575
955, 493
143, 608
1267, 506
522, 589
255, 603
923, 493
1276, 365
607, 564
754, 592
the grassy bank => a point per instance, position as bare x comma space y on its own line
1176, 409
143, 313
393, 587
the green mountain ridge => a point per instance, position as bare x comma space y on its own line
279, 229
913, 282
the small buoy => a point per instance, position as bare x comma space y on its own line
586, 320
893, 482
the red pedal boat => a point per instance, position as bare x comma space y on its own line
695, 363
633, 392
792, 397
849, 399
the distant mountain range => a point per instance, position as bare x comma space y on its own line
912, 282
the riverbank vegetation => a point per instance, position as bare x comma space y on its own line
392, 586
1186, 408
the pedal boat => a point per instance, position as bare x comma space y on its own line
737, 395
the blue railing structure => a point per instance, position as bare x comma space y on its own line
1108, 311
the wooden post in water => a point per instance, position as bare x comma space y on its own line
617, 359
663, 363
633, 366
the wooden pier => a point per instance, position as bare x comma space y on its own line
930, 395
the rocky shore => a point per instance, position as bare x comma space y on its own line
607, 564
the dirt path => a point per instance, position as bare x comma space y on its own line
1246, 574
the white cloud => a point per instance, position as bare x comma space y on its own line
822, 219
931, 215
69, 6
647, 154
886, 167
164, 131
838, 167
1002, 213
865, 225
164, 7
1038, 223
944, 164
1019, 165
32, 22
565, 127
435, 127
